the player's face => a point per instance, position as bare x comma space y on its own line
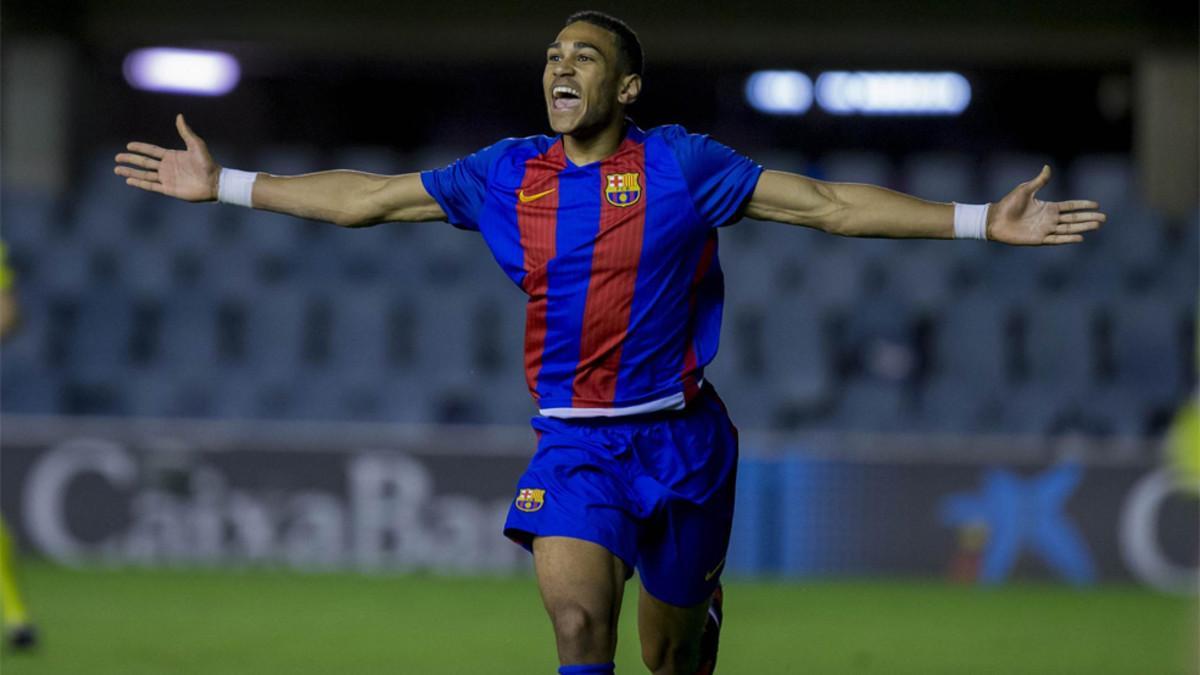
582, 82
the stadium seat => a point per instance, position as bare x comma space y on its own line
499, 326
30, 219
1097, 278
750, 272
948, 406
1064, 409
100, 340
275, 325
103, 209
971, 340
359, 334
164, 394
1109, 179
93, 395
505, 401
1020, 275
30, 342
1146, 355
187, 226
1060, 340
366, 256
879, 336
103, 225
448, 346
406, 400
855, 166
1038, 408
187, 343
235, 396
451, 257
738, 371
799, 358
272, 399
233, 271
1137, 239
265, 232
332, 396
732, 360
447, 350
66, 270
922, 277
317, 265
1182, 269
832, 281
30, 390
942, 177
146, 268
1111, 412
872, 406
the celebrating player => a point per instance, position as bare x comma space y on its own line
611, 231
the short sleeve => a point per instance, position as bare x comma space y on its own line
461, 188
720, 179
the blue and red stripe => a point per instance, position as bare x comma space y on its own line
609, 299
537, 222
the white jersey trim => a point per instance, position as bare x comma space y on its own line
672, 402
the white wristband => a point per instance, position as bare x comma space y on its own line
236, 187
970, 221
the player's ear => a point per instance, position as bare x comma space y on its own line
631, 88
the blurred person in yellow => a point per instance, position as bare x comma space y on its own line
18, 627
1183, 442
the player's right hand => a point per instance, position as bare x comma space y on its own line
189, 174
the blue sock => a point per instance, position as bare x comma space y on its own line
588, 669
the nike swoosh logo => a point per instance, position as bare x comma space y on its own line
713, 573
525, 199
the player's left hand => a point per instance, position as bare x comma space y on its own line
1023, 220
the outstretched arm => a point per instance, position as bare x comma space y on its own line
855, 210
346, 198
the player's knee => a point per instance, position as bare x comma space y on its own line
667, 657
581, 631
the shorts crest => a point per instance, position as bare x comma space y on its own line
530, 499
622, 189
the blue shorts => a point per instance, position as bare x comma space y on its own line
655, 489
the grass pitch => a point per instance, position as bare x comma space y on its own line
135, 622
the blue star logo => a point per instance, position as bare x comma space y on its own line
1021, 513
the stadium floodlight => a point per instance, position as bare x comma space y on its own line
893, 93
182, 71
779, 92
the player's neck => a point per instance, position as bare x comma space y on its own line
595, 146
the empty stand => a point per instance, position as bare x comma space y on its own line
138, 305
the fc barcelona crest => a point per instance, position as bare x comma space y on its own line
530, 499
622, 189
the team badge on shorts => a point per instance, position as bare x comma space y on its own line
622, 189
530, 499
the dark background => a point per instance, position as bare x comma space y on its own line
1055, 78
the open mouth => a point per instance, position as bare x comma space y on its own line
565, 97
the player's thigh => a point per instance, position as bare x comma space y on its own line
578, 569
582, 584
670, 635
